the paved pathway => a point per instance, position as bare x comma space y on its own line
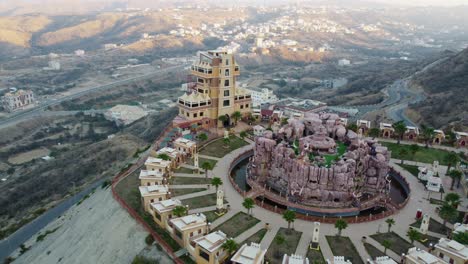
187, 186
269, 236
208, 157
188, 175
403, 218
187, 166
195, 194
303, 245
254, 229
223, 218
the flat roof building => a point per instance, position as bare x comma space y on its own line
249, 254
185, 229
153, 193
208, 249
295, 259
149, 177
185, 146
17, 99
451, 251
157, 164
162, 211
419, 256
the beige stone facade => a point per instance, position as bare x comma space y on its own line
153, 193
451, 251
208, 249
249, 254
185, 146
162, 211
215, 93
185, 229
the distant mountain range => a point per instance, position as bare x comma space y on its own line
446, 86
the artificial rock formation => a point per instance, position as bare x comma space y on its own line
292, 163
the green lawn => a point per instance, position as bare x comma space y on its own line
219, 150
201, 201
373, 251
410, 168
425, 155
184, 170
201, 161
399, 245
342, 246
341, 149
188, 180
237, 224
178, 192
257, 237
275, 252
434, 226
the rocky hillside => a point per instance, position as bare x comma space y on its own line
446, 86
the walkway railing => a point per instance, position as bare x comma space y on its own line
120, 176
393, 207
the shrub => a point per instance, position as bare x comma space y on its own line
149, 239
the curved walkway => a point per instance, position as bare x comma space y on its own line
403, 218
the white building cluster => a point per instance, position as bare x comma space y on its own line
17, 100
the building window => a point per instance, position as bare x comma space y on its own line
441, 255
204, 255
199, 231
226, 82
191, 234
226, 72
195, 114
200, 80
227, 62
226, 92
201, 113
451, 261
152, 200
188, 115
241, 106
246, 105
226, 103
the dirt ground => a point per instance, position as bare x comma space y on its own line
96, 231
29, 155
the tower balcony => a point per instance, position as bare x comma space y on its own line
204, 71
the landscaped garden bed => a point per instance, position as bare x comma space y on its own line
342, 246
188, 180
434, 226
425, 155
178, 192
238, 224
290, 239
373, 251
257, 237
201, 201
219, 149
398, 244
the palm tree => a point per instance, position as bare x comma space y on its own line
413, 235
279, 240
386, 244
248, 204
452, 199
400, 129
427, 134
455, 175
390, 222
230, 246
206, 166
374, 132
447, 212
340, 224
216, 182
451, 159
243, 134
164, 156
179, 211
236, 115
202, 137
289, 216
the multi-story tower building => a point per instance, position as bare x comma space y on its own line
214, 94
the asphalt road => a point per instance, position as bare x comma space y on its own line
36, 111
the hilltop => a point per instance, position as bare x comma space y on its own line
446, 86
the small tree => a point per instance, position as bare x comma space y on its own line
149, 239
216, 182
374, 132
461, 237
413, 235
179, 211
386, 244
414, 148
206, 166
223, 119
226, 142
390, 222
403, 152
452, 199
352, 127
243, 134
340, 224
164, 156
400, 129
455, 175
452, 159
230, 246
202, 137
448, 213
248, 204
279, 240
289, 216
236, 115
